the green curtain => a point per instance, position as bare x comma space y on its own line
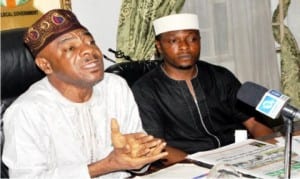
289, 58
135, 36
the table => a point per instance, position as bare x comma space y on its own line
156, 166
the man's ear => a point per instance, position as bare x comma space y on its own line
158, 47
44, 65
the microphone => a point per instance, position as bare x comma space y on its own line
120, 54
109, 59
271, 102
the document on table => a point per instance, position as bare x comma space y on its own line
180, 171
295, 143
253, 157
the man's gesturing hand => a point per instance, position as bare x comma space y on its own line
136, 149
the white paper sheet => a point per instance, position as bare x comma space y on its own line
180, 171
295, 143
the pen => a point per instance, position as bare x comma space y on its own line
200, 176
201, 164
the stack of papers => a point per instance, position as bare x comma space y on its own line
253, 157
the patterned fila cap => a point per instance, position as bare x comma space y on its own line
51, 25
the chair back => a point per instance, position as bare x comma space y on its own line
132, 71
18, 72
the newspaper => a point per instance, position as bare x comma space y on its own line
253, 157
295, 143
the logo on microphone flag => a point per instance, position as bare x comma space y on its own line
272, 103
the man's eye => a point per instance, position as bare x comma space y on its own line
172, 41
92, 42
71, 48
193, 39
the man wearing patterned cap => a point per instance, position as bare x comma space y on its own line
188, 102
62, 126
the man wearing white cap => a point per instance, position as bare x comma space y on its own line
188, 102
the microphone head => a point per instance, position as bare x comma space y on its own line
268, 102
251, 93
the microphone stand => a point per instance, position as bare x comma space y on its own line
288, 146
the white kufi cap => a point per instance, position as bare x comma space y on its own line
175, 22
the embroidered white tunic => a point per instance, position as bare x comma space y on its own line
48, 136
